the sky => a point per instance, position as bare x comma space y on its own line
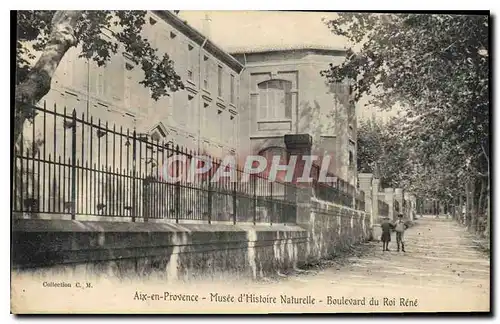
236, 29
233, 30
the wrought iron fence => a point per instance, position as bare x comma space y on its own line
360, 200
76, 166
338, 191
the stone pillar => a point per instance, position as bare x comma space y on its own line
375, 188
389, 199
365, 184
376, 230
411, 202
299, 145
398, 196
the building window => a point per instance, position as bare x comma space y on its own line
351, 159
205, 117
206, 72
102, 86
190, 111
233, 131
129, 95
190, 63
219, 81
158, 134
220, 125
232, 89
275, 99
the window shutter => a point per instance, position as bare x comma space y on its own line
263, 101
93, 78
254, 102
271, 100
69, 68
103, 83
80, 72
99, 84
115, 78
134, 98
288, 105
127, 93
144, 96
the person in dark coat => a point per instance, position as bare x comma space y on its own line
386, 226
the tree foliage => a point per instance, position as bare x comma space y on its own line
437, 68
34, 27
381, 150
44, 37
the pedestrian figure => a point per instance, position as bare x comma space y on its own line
400, 228
386, 226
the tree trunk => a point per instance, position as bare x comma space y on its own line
460, 208
455, 209
488, 217
473, 205
480, 209
467, 204
38, 81
488, 193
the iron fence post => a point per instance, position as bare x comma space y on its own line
254, 199
177, 188
73, 166
134, 177
234, 202
209, 198
272, 206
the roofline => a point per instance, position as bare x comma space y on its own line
302, 49
199, 38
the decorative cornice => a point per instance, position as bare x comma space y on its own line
199, 38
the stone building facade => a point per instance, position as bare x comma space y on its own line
203, 116
240, 103
282, 92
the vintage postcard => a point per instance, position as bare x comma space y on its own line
245, 162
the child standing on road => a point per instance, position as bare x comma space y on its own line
386, 227
400, 228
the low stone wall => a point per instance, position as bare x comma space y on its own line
184, 251
332, 228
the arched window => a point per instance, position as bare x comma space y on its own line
275, 100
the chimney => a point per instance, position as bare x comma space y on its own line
206, 25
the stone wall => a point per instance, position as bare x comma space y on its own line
333, 228
185, 251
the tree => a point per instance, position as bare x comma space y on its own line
48, 35
437, 67
381, 145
